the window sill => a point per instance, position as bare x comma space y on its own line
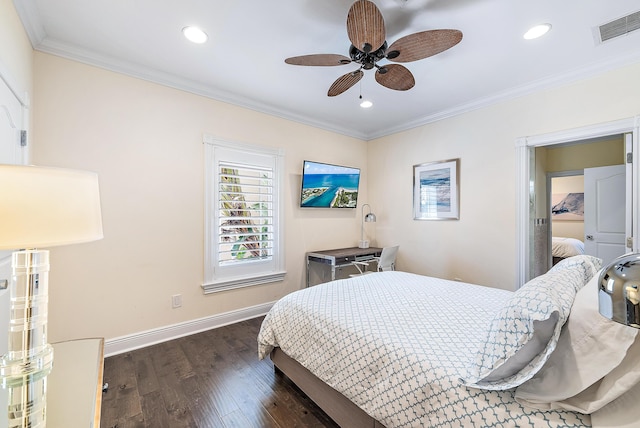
241, 282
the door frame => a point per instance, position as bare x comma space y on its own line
550, 176
23, 98
525, 193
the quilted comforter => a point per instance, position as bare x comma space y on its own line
397, 345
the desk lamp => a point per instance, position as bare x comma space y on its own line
369, 218
618, 290
40, 207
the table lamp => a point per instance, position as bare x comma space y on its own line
618, 290
369, 218
40, 207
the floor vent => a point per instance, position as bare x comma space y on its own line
619, 27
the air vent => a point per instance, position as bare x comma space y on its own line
620, 27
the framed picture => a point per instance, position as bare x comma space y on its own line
436, 190
567, 206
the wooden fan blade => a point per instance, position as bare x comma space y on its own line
345, 82
365, 26
318, 60
423, 44
397, 77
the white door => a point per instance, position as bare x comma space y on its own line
605, 212
10, 126
11, 152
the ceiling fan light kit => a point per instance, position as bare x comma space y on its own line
365, 103
367, 34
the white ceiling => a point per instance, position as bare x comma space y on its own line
243, 61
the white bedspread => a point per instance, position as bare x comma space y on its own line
566, 247
396, 344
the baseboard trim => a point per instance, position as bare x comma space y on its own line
139, 340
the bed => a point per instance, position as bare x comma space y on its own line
562, 247
395, 349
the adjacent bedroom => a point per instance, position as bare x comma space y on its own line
340, 213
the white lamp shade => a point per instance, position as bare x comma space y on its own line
43, 207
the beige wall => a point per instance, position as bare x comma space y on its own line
480, 247
145, 142
587, 155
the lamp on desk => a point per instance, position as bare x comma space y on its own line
369, 218
40, 207
619, 290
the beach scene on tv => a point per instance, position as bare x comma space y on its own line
329, 186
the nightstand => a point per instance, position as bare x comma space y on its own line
73, 389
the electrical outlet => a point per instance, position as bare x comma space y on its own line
176, 301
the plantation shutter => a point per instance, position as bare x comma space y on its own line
244, 243
245, 213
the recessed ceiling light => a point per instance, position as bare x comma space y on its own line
366, 104
537, 31
194, 34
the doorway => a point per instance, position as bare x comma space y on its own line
13, 113
531, 190
565, 200
566, 214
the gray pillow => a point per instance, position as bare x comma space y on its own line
583, 373
524, 333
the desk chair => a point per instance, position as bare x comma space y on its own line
386, 261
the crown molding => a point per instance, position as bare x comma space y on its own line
30, 18
166, 79
558, 80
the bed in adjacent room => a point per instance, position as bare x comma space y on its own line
395, 349
562, 247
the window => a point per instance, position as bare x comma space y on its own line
243, 215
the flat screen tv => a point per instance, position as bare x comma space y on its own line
329, 186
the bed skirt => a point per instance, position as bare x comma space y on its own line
337, 406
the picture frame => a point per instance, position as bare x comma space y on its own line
436, 190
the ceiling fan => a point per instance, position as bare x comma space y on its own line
366, 31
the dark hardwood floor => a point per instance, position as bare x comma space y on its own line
209, 379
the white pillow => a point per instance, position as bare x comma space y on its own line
589, 265
590, 347
523, 334
623, 412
